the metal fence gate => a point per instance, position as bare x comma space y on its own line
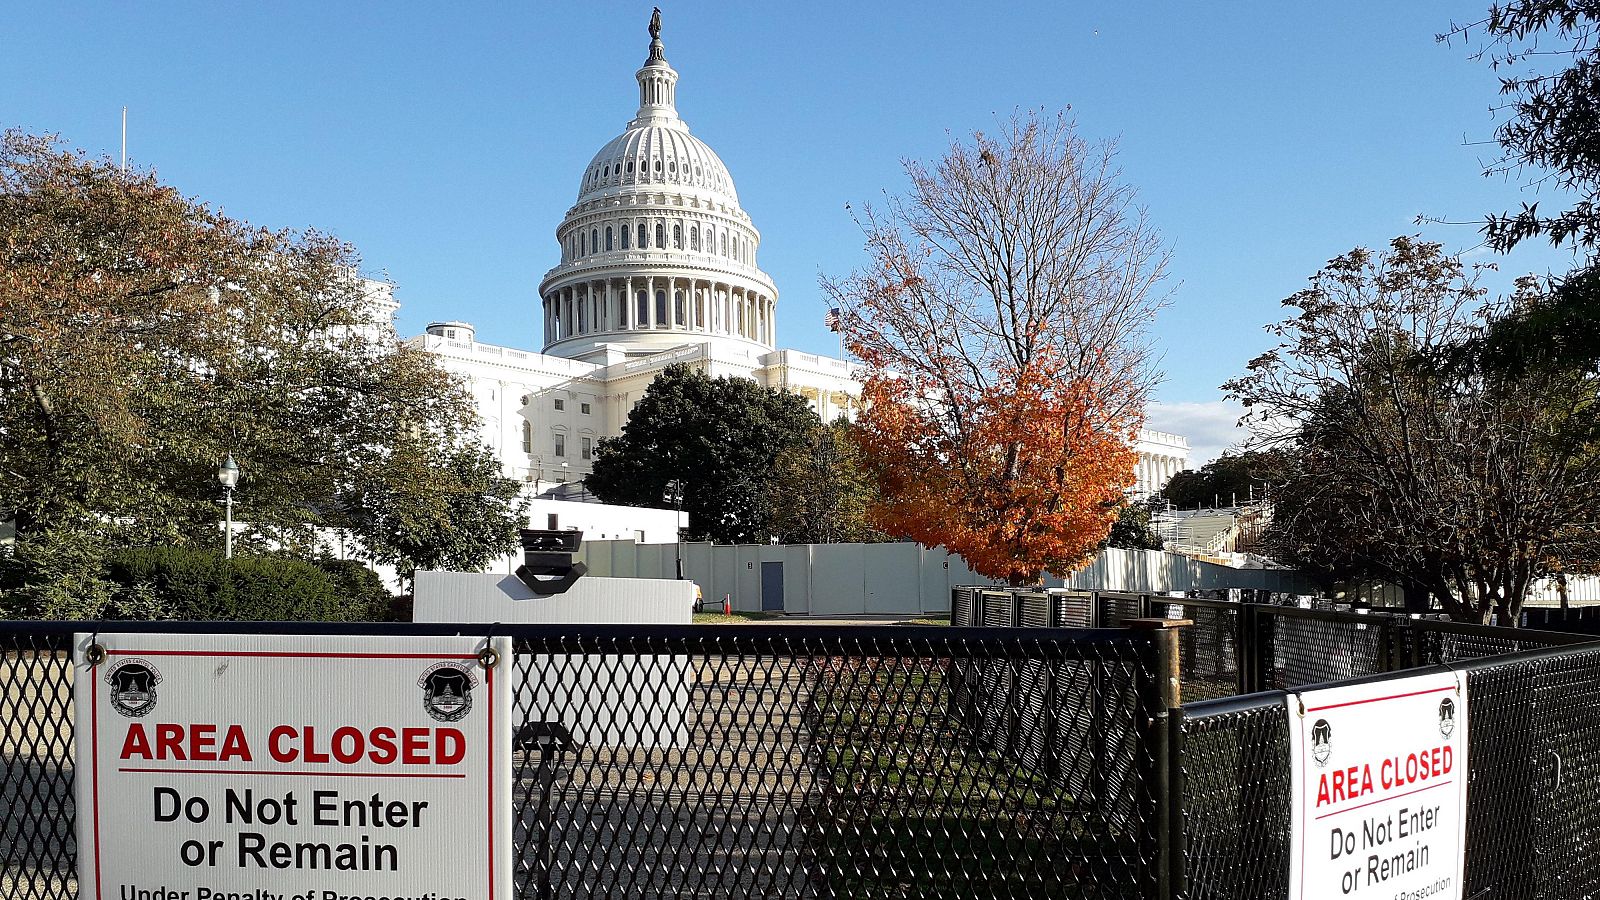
1533, 811
751, 761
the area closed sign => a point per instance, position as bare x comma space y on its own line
260, 767
1379, 790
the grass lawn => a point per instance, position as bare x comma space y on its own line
911, 806
738, 618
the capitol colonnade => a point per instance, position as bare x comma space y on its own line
656, 247
687, 303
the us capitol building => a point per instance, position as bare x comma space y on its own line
658, 266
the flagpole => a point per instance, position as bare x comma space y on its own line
124, 139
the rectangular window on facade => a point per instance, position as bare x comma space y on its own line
588, 448
561, 404
638, 536
584, 408
561, 445
551, 522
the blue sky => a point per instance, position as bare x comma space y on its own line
446, 141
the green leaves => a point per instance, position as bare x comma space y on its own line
721, 437
144, 337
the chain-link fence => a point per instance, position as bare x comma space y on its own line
1238, 648
1533, 811
750, 761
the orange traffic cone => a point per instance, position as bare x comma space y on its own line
727, 605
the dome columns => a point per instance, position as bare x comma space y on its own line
682, 303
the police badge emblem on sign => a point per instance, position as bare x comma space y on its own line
274, 766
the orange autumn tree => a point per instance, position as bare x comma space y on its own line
1002, 325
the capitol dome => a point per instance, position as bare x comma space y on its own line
661, 155
656, 252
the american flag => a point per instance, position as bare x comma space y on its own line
832, 319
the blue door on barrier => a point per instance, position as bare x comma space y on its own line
772, 587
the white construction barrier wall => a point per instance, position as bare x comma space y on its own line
595, 697
899, 579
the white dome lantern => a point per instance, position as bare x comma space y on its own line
656, 252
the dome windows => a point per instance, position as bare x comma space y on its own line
661, 232
694, 238
630, 167
677, 237
608, 238
642, 244
625, 231
594, 240
672, 167
658, 167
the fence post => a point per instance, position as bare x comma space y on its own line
1244, 648
1161, 697
1264, 658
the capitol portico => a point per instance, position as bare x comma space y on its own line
658, 265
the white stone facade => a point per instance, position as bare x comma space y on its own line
1161, 456
658, 266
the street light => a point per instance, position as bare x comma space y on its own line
228, 475
676, 487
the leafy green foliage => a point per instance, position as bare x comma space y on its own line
821, 492
178, 583
1408, 463
144, 336
1230, 478
435, 508
720, 438
1547, 53
57, 575
1551, 331
362, 590
1134, 528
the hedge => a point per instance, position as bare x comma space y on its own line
178, 583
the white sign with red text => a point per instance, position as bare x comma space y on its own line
266, 767
1379, 774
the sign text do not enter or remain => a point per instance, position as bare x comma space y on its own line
255, 767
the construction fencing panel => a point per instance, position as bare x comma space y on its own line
742, 762
1533, 809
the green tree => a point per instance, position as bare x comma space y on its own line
821, 493
1547, 54
1134, 528
1230, 478
423, 507
145, 336
1455, 482
719, 437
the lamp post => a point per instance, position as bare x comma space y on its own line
676, 487
228, 475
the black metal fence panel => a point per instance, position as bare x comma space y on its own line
1209, 650
38, 845
1311, 647
1533, 810
751, 761
1233, 790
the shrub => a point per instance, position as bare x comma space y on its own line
273, 589
178, 583
365, 597
182, 583
53, 575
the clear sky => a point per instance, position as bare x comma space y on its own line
446, 140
